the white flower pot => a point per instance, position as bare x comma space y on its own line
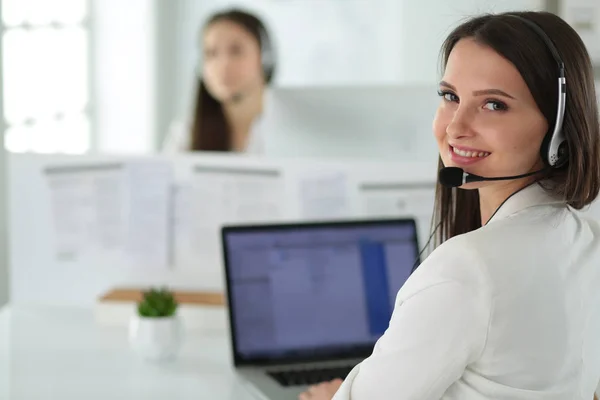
156, 338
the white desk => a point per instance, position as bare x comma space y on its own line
63, 354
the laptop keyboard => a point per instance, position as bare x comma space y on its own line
309, 376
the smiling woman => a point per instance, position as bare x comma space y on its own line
506, 305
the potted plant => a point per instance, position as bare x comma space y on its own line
155, 331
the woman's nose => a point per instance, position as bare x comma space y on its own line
460, 125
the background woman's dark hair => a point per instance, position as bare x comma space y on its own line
210, 131
456, 210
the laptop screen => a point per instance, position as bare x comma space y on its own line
314, 291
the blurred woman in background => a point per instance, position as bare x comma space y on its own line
238, 64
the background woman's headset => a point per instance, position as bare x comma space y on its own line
267, 54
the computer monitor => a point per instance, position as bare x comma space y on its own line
387, 122
314, 291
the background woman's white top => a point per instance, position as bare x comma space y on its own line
509, 311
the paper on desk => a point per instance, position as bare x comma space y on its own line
149, 239
218, 196
324, 195
112, 210
87, 211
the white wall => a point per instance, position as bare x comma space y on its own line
124, 71
584, 17
426, 23
324, 42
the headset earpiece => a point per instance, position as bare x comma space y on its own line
267, 55
554, 150
554, 159
544, 149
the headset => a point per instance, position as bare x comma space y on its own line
554, 149
267, 54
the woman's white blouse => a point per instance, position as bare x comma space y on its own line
509, 311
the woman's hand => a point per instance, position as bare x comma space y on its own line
322, 391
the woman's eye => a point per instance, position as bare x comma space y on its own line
236, 50
493, 105
210, 53
448, 96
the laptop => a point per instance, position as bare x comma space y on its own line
308, 301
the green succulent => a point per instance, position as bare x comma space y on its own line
157, 303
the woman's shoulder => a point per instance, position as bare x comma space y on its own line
454, 262
474, 253
458, 261
455, 267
